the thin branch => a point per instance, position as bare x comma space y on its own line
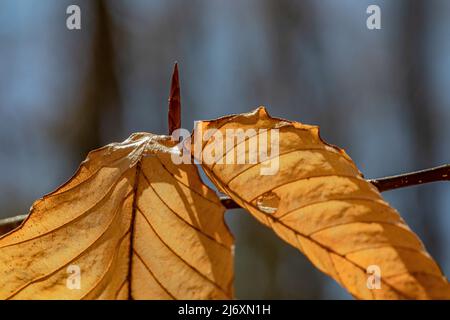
8, 224
228, 203
441, 173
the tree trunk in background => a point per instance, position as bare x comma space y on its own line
97, 114
419, 114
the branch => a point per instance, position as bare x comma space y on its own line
441, 173
8, 224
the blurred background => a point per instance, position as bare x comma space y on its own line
382, 95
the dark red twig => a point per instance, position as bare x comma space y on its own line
441, 173
8, 224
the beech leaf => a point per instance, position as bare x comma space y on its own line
132, 223
319, 202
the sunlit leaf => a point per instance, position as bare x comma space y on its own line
318, 202
135, 225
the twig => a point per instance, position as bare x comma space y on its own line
8, 224
441, 173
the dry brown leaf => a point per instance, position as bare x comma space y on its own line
319, 202
137, 226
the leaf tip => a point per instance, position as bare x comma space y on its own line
261, 111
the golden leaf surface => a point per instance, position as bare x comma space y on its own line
132, 223
319, 202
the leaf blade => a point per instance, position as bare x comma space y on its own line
319, 202
92, 222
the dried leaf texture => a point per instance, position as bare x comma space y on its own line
136, 225
319, 202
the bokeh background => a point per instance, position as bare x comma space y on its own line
383, 95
